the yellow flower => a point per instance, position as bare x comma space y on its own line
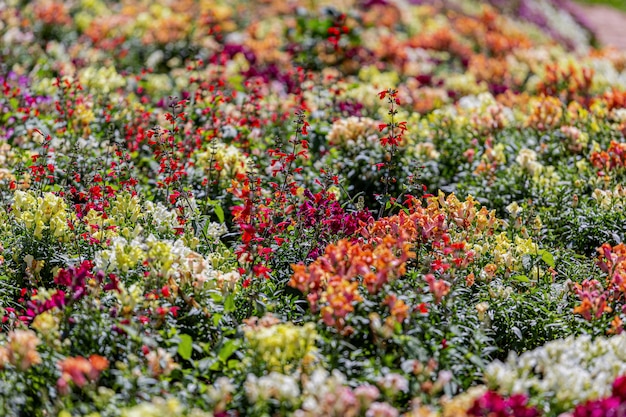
40, 214
47, 325
514, 209
126, 208
525, 246
281, 347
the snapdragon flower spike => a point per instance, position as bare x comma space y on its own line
75, 282
324, 214
598, 298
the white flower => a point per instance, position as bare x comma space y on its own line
514, 209
275, 385
394, 382
572, 370
527, 159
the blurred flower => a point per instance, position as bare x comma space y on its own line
282, 347
80, 371
381, 409
160, 362
20, 350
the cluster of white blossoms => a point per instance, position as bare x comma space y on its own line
165, 257
611, 199
543, 176
273, 386
162, 218
160, 407
563, 372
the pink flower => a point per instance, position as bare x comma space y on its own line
379, 409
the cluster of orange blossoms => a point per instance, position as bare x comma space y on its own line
569, 84
349, 270
613, 158
80, 371
334, 279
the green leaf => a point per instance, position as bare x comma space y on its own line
229, 303
219, 212
228, 349
185, 346
547, 257
217, 208
520, 278
216, 319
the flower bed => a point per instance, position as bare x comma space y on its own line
359, 208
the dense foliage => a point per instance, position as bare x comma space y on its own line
310, 208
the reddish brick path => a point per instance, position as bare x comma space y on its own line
609, 24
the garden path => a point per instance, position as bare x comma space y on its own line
609, 24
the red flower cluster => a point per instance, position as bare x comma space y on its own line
491, 404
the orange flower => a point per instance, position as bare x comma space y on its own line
80, 371
21, 350
99, 363
399, 310
616, 326
546, 114
593, 299
470, 279
613, 158
332, 283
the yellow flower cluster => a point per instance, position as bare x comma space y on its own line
165, 259
506, 253
126, 210
282, 347
465, 84
47, 214
47, 325
103, 79
126, 217
543, 176
123, 255
227, 160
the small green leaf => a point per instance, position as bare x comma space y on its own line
547, 257
229, 303
520, 278
228, 349
219, 212
216, 319
217, 208
185, 346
